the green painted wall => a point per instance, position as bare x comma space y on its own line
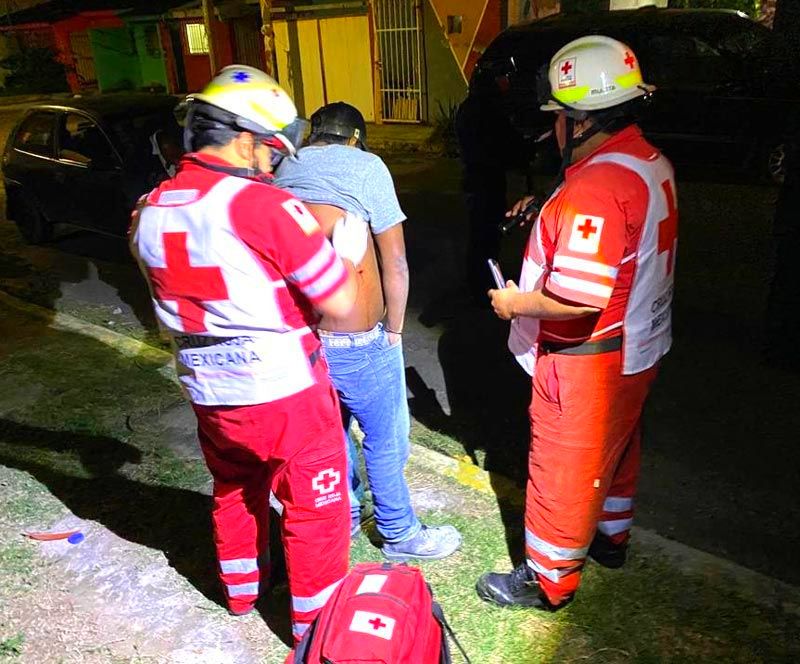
128, 58
153, 71
445, 83
115, 59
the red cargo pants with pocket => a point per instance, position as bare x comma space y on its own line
294, 448
583, 462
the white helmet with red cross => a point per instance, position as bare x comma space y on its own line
594, 73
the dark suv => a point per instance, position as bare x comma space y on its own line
724, 91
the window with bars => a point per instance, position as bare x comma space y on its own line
197, 38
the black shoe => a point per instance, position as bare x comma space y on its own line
604, 552
517, 588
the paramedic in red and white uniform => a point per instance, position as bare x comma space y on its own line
237, 270
590, 322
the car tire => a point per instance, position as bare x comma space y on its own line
31, 222
775, 163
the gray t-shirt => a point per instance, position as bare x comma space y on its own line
346, 177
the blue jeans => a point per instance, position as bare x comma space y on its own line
369, 375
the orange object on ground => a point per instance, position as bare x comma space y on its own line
49, 537
583, 462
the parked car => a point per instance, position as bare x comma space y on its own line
724, 90
87, 162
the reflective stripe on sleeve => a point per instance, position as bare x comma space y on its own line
306, 604
238, 566
581, 285
614, 527
582, 265
326, 280
617, 504
554, 552
315, 265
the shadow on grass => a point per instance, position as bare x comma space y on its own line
173, 520
649, 612
488, 395
168, 519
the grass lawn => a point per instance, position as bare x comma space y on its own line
71, 439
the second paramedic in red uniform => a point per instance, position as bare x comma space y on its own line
590, 322
237, 269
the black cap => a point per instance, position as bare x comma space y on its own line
340, 119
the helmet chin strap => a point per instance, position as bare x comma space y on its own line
250, 172
572, 141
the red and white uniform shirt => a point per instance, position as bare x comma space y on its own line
606, 239
234, 268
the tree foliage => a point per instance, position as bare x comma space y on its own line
34, 70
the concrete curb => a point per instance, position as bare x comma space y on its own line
126, 345
754, 586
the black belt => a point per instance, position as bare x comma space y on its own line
586, 348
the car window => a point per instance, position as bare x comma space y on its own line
133, 131
35, 134
733, 36
753, 40
684, 61
83, 142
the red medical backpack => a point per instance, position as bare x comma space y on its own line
381, 613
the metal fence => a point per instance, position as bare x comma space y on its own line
398, 29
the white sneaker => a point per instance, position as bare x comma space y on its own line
428, 544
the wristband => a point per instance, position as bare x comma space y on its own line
386, 329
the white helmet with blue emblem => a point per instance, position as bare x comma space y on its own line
252, 101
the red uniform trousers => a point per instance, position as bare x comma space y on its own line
295, 448
583, 462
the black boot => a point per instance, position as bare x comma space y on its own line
517, 588
604, 552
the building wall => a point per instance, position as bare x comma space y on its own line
152, 66
325, 60
116, 59
446, 84
197, 67
471, 14
490, 25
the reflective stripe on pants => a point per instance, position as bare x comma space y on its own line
584, 449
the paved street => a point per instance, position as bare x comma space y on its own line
721, 456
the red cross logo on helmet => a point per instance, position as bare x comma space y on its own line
566, 73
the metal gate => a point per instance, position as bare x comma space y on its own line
84, 59
398, 26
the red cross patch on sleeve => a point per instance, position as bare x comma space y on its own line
585, 236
